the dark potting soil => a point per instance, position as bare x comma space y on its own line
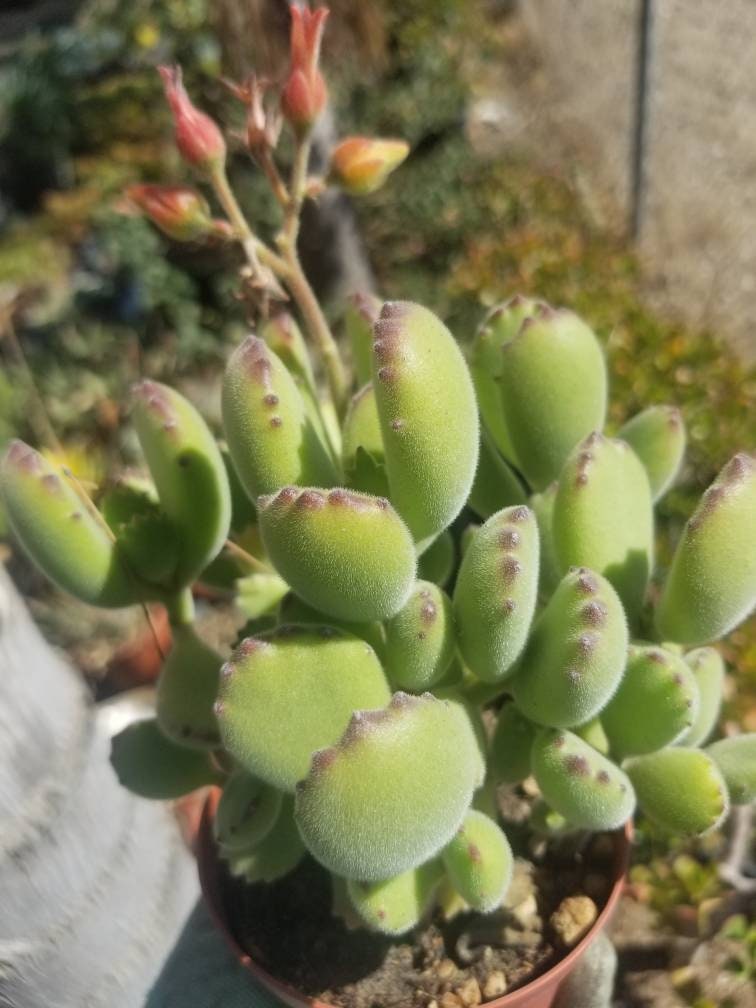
289, 930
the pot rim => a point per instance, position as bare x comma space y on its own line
207, 862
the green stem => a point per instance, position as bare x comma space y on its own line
180, 608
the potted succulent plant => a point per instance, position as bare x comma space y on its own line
362, 727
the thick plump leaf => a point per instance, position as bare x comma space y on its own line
581, 784
496, 485
187, 468
500, 326
56, 527
186, 692
270, 436
657, 701
420, 639
553, 387
436, 563
429, 417
362, 445
680, 789
711, 584
479, 862
495, 594
603, 517
708, 671
736, 759
657, 436
394, 790
276, 855
542, 506
511, 746
393, 906
575, 655
345, 553
286, 694
361, 314
246, 813
150, 765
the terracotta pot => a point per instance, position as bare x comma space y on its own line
540, 993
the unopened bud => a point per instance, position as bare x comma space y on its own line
362, 164
198, 138
179, 212
304, 94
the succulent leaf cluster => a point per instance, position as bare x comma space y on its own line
450, 576
351, 722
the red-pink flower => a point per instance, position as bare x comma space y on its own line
304, 94
198, 138
179, 212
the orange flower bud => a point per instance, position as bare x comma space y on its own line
198, 138
362, 164
179, 212
304, 94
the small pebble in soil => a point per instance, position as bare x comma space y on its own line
495, 985
572, 918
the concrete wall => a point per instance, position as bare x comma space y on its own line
697, 233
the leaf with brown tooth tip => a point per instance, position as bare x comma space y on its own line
284, 338
293, 610
362, 445
285, 694
711, 585
393, 906
511, 745
56, 527
736, 759
436, 563
603, 517
656, 702
495, 593
549, 574
553, 390
278, 853
680, 789
348, 554
394, 790
579, 783
150, 765
187, 468
500, 326
361, 313
271, 439
246, 812
709, 672
479, 862
420, 639
657, 436
429, 417
186, 691
576, 653
496, 485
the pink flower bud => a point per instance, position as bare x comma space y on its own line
304, 94
361, 164
179, 212
198, 139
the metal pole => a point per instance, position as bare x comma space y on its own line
644, 34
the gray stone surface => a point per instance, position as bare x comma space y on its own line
698, 226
